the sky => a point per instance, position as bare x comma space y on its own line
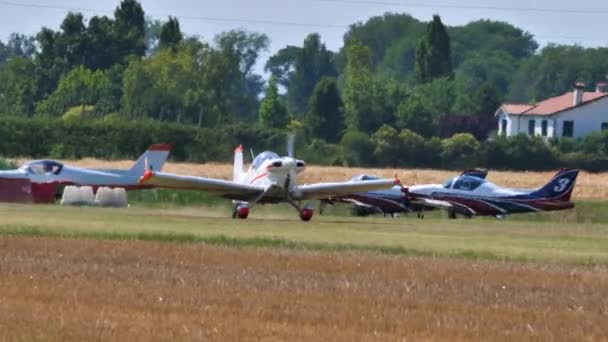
287, 22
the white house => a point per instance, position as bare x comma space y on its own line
573, 114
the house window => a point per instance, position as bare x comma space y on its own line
543, 128
604, 125
531, 125
568, 128
503, 126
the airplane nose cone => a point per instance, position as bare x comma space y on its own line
289, 162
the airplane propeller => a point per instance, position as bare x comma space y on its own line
291, 139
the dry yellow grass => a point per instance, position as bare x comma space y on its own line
589, 185
82, 290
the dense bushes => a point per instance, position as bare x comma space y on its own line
56, 138
52, 137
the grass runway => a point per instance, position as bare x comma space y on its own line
273, 277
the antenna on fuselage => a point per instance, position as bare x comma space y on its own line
252, 155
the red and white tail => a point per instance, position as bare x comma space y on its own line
237, 171
154, 158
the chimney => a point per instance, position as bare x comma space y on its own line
600, 87
579, 88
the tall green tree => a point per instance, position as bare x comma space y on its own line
130, 29
312, 63
170, 34
415, 116
281, 65
72, 41
100, 36
324, 118
240, 51
17, 87
273, 113
81, 87
358, 81
554, 70
433, 55
18, 45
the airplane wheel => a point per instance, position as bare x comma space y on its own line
241, 211
306, 214
452, 215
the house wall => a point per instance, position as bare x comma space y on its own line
587, 118
538, 126
512, 124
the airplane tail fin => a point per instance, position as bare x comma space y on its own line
559, 187
154, 158
238, 163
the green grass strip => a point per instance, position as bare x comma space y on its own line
272, 243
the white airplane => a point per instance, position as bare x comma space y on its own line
270, 179
42, 181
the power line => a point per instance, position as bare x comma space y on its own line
479, 7
185, 17
303, 24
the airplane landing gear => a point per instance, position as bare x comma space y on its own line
304, 213
241, 211
420, 214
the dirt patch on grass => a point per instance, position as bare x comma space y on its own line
63, 289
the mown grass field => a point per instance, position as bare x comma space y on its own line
546, 241
192, 273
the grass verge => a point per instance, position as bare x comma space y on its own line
267, 243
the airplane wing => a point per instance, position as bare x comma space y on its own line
217, 187
441, 204
328, 190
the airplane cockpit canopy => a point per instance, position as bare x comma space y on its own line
262, 157
465, 183
365, 178
40, 167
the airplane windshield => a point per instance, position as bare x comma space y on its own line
41, 167
448, 183
467, 183
365, 178
262, 157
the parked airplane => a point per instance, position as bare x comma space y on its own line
270, 179
468, 194
42, 181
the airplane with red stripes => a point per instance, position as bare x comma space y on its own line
468, 194
269, 179
471, 195
43, 181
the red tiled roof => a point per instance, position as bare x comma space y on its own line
516, 108
553, 105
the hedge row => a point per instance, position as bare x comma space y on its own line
47, 137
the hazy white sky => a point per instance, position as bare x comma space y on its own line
549, 20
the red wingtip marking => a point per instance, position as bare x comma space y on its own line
396, 181
147, 175
159, 147
238, 149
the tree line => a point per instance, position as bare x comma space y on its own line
395, 76
44, 137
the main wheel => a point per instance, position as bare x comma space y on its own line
306, 214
